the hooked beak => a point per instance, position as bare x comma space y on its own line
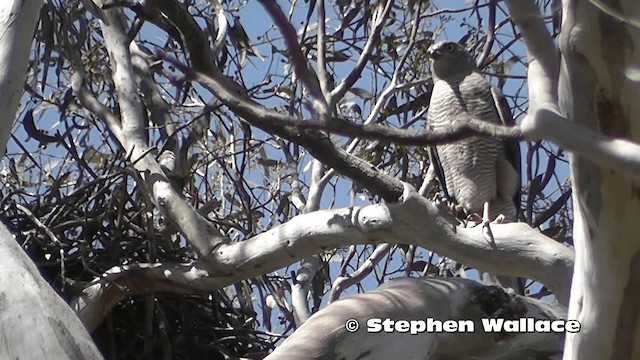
434, 53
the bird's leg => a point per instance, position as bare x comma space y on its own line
407, 192
451, 207
475, 218
486, 228
500, 219
461, 214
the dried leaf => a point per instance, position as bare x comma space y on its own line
552, 210
361, 93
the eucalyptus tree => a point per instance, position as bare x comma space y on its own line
205, 178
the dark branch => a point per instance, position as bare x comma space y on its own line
341, 126
298, 60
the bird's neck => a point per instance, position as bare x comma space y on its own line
452, 79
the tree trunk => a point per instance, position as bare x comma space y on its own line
18, 19
35, 323
598, 51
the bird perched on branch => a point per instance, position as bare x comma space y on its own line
477, 170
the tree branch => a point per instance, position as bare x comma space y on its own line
223, 27
420, 299
31, 306
298, 60
343, 282
257, 114
393, 84
132, 119
544, 65
321, 42
200, 232
200, 57
18, 21
609, 10
379, 21
518, 251
544, 120
491, 34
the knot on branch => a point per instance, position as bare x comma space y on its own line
372, 218
496, 303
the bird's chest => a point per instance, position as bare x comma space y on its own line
453, 103
459, 102
470, 153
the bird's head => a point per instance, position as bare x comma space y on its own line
450, 60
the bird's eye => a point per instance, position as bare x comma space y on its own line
449, 47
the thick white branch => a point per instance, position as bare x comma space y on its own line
132, 111
202, 235
310, 265
547, 123
519, 251
542, 52
324, 335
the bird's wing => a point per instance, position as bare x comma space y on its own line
502, 106
511, 147
439, 171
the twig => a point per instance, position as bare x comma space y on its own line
39, 224
223, 26
380, 20
605, 8
452, 11
488, 44
323, 77
298, 60
343, 282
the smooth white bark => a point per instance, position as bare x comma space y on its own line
130, 129
597, 115
544, 119
35, 323
18, 19
324, 335
597, 50
518, 251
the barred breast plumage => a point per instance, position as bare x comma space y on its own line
475, 170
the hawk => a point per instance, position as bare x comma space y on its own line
476, 170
